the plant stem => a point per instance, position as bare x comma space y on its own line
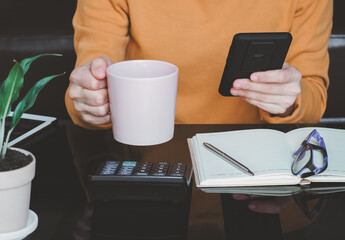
3, 154
2, 135
2, 130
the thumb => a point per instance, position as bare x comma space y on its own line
285, 65
99, 67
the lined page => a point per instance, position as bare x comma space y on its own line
335, 145
263, 151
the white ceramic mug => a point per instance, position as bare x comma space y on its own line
142, 96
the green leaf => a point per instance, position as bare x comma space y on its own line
29, 100
9, 91
25, 63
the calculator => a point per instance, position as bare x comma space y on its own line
141, 180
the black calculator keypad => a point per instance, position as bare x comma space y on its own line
142, 169
161, 169
131, 180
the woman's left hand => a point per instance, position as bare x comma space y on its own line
274, 91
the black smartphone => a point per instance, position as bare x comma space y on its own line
253, 52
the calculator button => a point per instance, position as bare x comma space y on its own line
159, 174
145, 164
144, 167
161, 169
179, 165
162, 163
141, 173
110, 167
124, 173
127, 168
162, 166
142, 170
180, 169
129, 163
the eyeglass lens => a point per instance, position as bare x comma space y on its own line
302, 160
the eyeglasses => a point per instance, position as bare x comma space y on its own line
311, 158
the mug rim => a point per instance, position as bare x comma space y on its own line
175, 69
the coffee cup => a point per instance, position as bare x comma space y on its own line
142, 97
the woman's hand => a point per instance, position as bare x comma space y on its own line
88, 90
274, 91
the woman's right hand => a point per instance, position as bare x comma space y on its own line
88, 90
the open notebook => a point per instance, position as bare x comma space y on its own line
28, 125
268, 153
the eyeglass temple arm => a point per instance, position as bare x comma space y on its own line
319, 139
317, 136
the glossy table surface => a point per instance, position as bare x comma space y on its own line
65, 203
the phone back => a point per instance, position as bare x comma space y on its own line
253, 52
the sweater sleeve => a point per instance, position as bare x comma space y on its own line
101, 29
311, 29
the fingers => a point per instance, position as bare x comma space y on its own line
99, 67
265, 88
89, 97
95, 115
96, 120
88, 90
91, 75
82, 77
269, 97
273, 91
93, 106
99, 111
287, 74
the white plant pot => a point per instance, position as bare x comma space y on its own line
15, 189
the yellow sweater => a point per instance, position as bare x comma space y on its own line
196, 35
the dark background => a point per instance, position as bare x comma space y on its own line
32, 27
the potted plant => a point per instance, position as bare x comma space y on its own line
17, 166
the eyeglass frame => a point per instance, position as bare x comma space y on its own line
310, 164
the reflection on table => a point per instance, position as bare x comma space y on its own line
69, 209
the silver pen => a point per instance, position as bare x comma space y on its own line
228, 159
